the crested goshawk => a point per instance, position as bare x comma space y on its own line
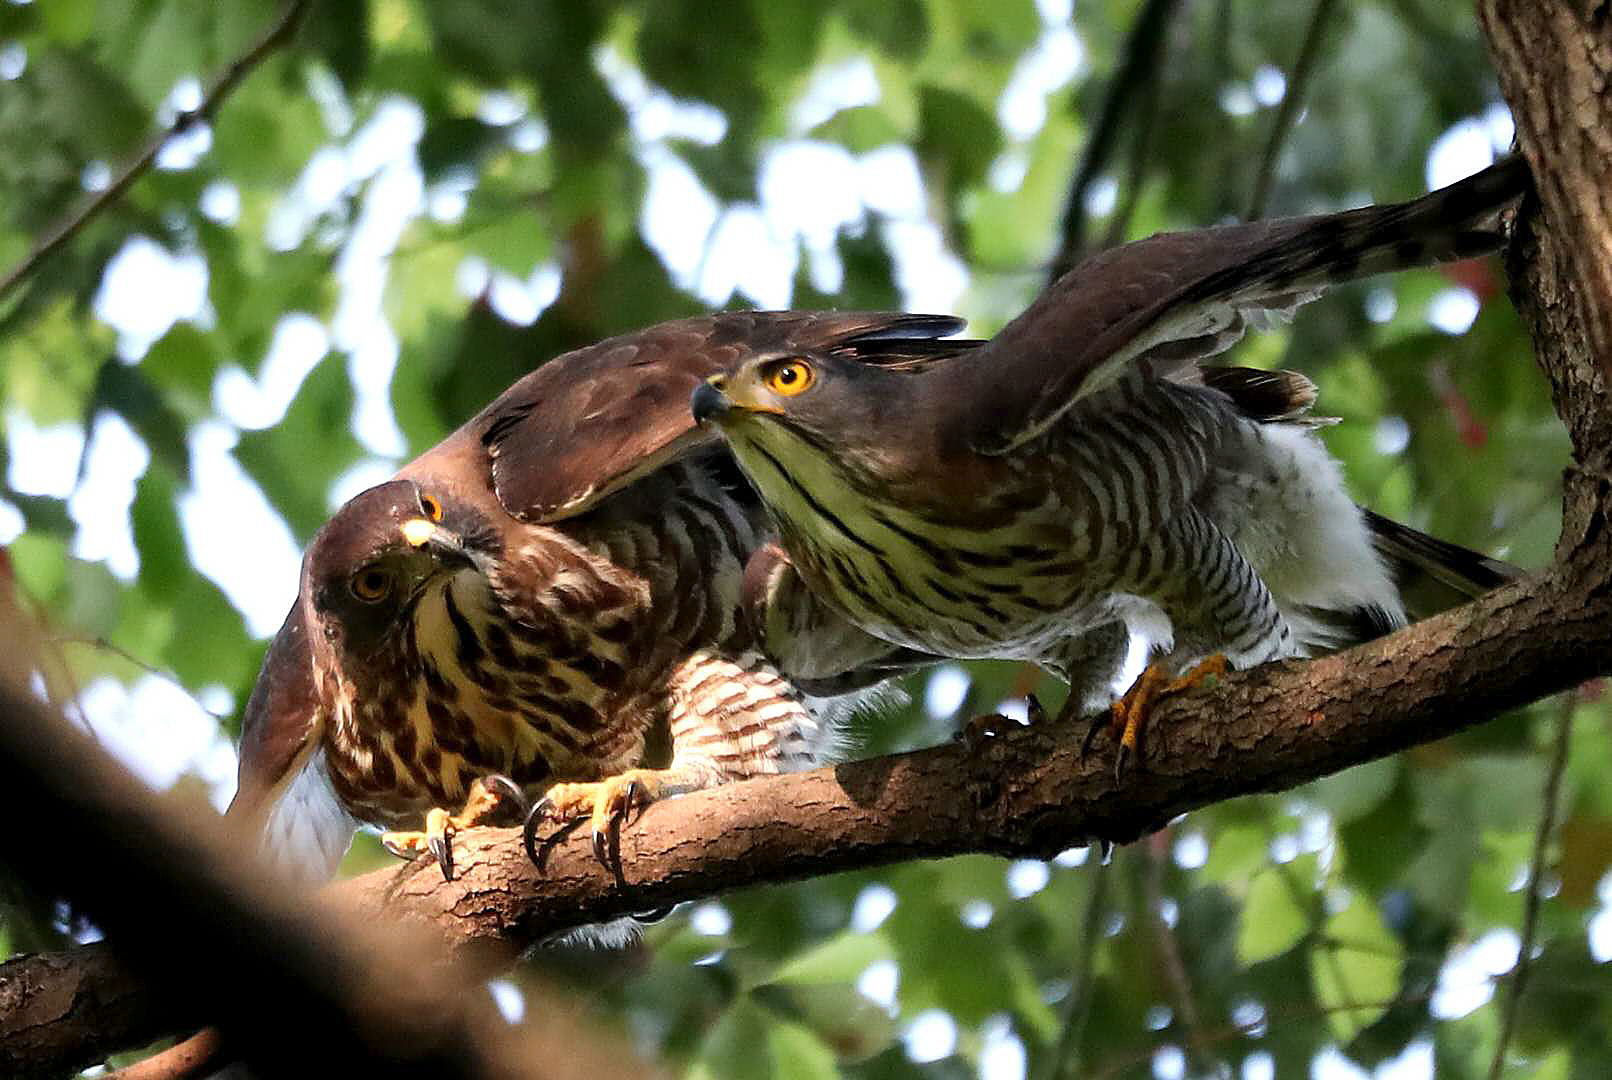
1080, 476
555, 600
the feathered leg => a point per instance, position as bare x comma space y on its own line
728, 719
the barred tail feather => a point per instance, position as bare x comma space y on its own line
1434, 574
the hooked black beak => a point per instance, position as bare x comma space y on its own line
709, 401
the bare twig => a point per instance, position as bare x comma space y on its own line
1175, 970
199, 1055
1141, 149
1536, 873
101, 644
278, 33
1288, 111
1065, 1059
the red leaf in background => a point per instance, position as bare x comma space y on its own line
1473, 431
1478, 276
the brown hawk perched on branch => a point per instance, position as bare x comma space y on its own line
1081, 476
550, 601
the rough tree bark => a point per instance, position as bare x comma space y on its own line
1028, 791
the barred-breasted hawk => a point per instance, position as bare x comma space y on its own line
552, 595
1080, 476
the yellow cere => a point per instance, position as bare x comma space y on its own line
418, 531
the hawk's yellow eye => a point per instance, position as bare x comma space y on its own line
432, 508
371, 584
790, 377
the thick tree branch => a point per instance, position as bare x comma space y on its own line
1555, 65
1027, 792
278, 34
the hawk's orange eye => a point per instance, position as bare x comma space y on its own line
372, 584
432, 508
790, 378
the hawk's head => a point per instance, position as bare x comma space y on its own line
369, 565
850, 415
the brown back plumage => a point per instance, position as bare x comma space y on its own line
589, 422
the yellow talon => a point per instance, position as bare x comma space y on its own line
486, 796
1130, 713
605, 802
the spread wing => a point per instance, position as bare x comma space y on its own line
590, 422
1177, 298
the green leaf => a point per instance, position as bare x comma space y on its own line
1273, 922
1355, 791
1356, 968
1236, 852
853, 1027
183, 364
797, 1054
157, 533
840, 959
126, 391
956, 134
278, 458
68, 21
80, 97
898, 28
733, 1049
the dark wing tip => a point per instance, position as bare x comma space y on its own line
1418, 559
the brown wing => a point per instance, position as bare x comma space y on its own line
589, 422
279, 718
1178, 297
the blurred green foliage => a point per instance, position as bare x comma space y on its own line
1251, 936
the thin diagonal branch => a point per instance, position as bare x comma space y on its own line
1119, 222
1287, 113
279, 32
1536, 873
1138, 65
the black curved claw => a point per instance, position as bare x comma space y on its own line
1099, 720
507, 791
1035, 713
601, 846
442, 847
1120, 759
534, 817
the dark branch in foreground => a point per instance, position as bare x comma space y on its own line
280, 32
213, 937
